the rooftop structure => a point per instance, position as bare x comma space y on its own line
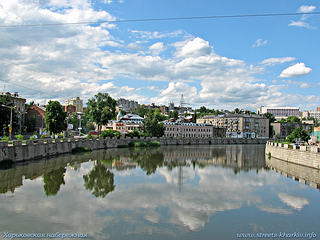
77, 102
280, 112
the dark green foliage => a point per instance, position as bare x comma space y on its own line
100, 181
5, 115
30, 125
101, 109
173, 114
135, 133
53, 180
55, 117
298, 133
110, 133
152, 125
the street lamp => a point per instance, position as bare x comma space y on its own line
79, 117
10, 127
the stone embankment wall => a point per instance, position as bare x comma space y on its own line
303, 155
47, 148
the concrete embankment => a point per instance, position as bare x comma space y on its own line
308, 156
48, 148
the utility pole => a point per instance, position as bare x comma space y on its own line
79, 128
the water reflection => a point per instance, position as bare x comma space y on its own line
156, 193
53, 180
100, 181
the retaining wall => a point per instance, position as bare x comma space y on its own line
303, 155
47, 148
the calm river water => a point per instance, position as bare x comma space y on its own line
180, 192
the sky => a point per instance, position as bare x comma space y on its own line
219, 63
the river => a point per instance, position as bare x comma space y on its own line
173, 192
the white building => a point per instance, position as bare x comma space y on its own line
194, 130
280, 112
312, 114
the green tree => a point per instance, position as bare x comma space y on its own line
55, 117
53, 180
293, 119
100, 181
174, 114
298, 133
153, 126
101, 109
5, 113
141, 110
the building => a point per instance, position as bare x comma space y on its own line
283, 129
36, 116
127, 105
194, 130
18, 102
239, 125
311, 114
280, 112
69, 109
318, 108
316, 133
77, 102
125, 124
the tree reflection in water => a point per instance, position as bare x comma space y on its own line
53, 180
100, 181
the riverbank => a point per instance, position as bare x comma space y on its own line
31, 150
308, 156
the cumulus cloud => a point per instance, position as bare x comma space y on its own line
157, 48
193, 48
275, 61
295, 70
259, 43
307, 8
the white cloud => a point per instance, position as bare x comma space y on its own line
300, 24
193, 48
157, 48
307, 9
156, 34
259, 43
275, 61
296, 70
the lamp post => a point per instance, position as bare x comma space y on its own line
10, 126
79, 117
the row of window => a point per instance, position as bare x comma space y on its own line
187, 135
188, 129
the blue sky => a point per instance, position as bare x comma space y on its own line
221, 63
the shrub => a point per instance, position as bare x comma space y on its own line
33, 137
19, 137
110, 133
5, 139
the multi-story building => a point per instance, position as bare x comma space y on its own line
125, 124
194, 130
18, 102
240, 125
311, 114
280, 112
127, 105
283, 129
77, 102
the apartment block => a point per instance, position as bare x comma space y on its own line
239, 125
193, 130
